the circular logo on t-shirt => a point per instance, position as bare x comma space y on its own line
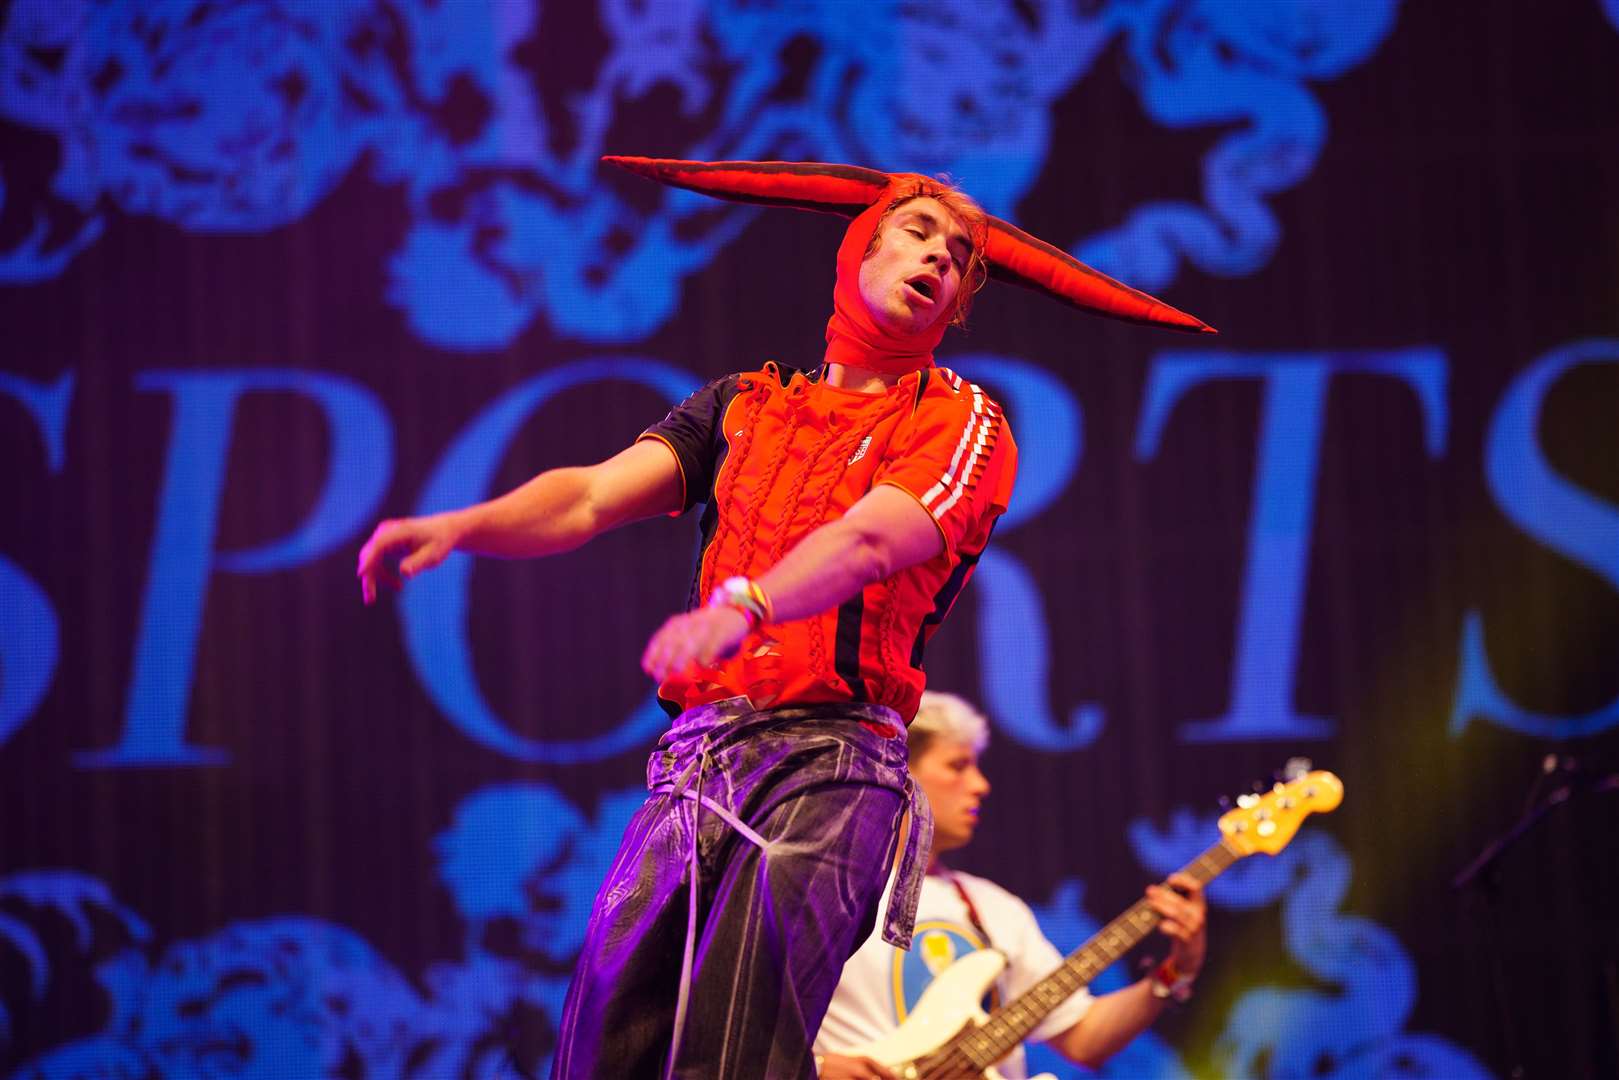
935, 945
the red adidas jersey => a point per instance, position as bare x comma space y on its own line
775, 453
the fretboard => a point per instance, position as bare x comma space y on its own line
1010, 1025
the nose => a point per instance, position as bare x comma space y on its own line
979, 782
939, 256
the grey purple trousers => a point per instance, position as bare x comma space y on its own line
790, 817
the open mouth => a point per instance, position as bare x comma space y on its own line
922, 285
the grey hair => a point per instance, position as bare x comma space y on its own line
946, 716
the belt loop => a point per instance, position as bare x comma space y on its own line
900, 918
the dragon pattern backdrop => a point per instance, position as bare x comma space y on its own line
271, 270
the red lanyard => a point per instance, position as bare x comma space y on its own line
992, 1000
972, 911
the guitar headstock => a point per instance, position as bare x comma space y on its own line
1267, 821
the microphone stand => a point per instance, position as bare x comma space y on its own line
1533, 811
1571, 782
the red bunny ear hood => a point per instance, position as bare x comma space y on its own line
864, 194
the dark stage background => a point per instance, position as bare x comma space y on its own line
275, 270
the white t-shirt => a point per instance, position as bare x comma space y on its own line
881, 984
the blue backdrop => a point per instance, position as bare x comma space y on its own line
273, 269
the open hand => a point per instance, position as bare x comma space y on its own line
402, 548
695, 637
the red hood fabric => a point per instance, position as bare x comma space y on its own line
853, 336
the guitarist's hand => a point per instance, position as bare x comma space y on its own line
838, 1067
1185, 914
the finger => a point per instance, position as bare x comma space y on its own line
1167, 904
658, 645
716, 644
382, 537
664, 666
877, 1070
365, 570
367, 554
373, 559
1168, 901
1185, 884
662, 651
693, 641
689, 645
368, 583
652, 658
678, 645
1173, 905
424, 558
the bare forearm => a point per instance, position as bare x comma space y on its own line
550, 514
823, 570
882, 534
554, 512
562, 508
1112, 1021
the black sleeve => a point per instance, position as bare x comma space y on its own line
692, 431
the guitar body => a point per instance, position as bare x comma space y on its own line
949, 1004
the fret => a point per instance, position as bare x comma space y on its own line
991, 1050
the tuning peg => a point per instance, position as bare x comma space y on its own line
1296, 768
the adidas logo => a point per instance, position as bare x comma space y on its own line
865, 444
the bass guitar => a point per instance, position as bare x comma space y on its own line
948, 1036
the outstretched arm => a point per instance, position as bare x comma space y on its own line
1114, 1019
555, 512
885, 532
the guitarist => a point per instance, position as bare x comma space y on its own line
959, 913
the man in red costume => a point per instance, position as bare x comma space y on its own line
845, 510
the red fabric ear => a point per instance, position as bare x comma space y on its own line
848, 190
845, 190
1014, 255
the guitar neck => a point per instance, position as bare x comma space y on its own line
1011, 1023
